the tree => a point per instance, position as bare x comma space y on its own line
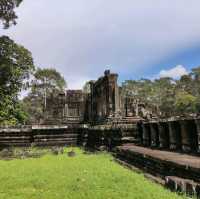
186, 84
195, 74
46, 81
7, 13
163, 96
33, 106
16, 64
185, 103
140, 89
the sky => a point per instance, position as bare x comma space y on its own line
134, 38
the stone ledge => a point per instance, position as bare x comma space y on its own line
161, 163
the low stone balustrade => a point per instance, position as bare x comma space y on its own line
38, 136
178, 135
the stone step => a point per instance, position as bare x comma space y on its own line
15, 144
129, 140
15, 138
55, 139
182, 185
55, 136
14, 141
57, 143
162, 163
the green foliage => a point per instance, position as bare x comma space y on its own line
16, 64
185, 102
81, 177
167, 97
7, 13
48, 79
45, 82
33, 105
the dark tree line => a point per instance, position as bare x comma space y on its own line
7, 12
166, 97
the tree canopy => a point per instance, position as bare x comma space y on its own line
167, 97
45, 82
16, 64
7, 13
49, 79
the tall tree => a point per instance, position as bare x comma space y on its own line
16, 64
185, 103
7, 13
46, 81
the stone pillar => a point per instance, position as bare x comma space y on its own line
163, 135
112, 92
140, 132
146, 134
136, 108
189, 135
174, 135
197, 122
154, 134
91, 116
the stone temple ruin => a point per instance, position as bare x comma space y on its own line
105, 102
167, 151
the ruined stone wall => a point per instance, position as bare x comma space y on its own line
66, 108
75, 105
39, 136
95, 137
104, 97
106, 101
178, 135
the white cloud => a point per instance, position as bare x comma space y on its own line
175, 72
76, 82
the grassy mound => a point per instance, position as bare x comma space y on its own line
83, 176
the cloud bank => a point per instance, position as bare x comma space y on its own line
82, 38
174, 73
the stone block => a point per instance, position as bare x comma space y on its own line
189, 136
146, 134
163, 135
154, 134
174, 135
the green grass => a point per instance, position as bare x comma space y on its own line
80, 177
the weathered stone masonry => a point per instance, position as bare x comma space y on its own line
178, 135
104, 102
27, 136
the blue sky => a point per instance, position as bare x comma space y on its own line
135, 38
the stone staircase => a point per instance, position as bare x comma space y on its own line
54, 136
38, 136
15, 137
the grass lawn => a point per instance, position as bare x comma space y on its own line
80, 177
